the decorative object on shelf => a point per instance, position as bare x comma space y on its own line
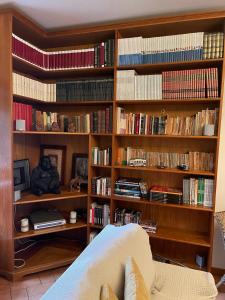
79, 170
17, 195
20, 125
73, 217
45, 178
200, 260
137, 162
24, 225
183, 167
57, 155
21, 175
75, 184
209, 130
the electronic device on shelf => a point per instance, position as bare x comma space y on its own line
42, 219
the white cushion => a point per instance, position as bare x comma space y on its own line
179, 283
103, 261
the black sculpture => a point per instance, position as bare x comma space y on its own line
45, 178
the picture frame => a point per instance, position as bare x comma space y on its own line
21, 174
57, 154
80, 166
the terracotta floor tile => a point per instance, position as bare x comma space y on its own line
5, 288
20, 294
47, 277
5, 295
4, 283
37, 297
37, 290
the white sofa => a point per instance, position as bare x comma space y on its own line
103, 262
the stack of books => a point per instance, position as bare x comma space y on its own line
101, 120
194, 160
85, 90
100, 55
125, 216
99, 214
198, 191
27, 87
146, 124
165, 194
101, 157
173, 48
101, 186
128, 187
149, 226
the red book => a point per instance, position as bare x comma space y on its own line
79, 59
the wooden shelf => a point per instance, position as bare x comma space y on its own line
66, 227
25, 99
49, 255
166, 136
23, 66
28, 197
146, 68
102, 134
101, 166
100, 196
182, 236
96, 226
167, 170
157, 203
167, 101
49, 133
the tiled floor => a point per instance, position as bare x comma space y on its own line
32, 287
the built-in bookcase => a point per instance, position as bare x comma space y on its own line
184, 230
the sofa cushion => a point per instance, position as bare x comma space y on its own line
102, 261
135, 288
107, 293
179, 283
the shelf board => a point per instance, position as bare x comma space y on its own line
26, 67
96, 226
166, 136
66, 227
100, 196
106, 134
101, 166
49, 255
28, 197
49, 133
182, 236
157, 203
167, 101
146, 68
25, 99
167, 170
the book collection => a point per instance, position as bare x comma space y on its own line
129, 187
194, 160
172, 48
99, 55
165, 194
101, 186
76, 90
146, 124
101, 157
198, 191
171, 85
27, 87
85, 90
99, 214
126, 216
101, 120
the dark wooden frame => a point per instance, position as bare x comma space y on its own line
24, 163
59, 148
74, 164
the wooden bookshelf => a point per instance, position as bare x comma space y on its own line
184, 230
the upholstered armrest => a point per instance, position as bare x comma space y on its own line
179, 283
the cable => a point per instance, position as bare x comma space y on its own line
20, 266
24, 249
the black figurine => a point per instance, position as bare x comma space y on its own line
45, 178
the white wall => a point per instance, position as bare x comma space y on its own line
218, 260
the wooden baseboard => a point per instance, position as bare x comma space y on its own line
217, 271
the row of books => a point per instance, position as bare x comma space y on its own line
130, 187
101, 120
198, 191
165, 194
142, 123
194, 160
126, 216
172, 48
185, 84
99, 214
131, 86
27, 87
100, 55
101, 157
101, 186
180, 84
85, 90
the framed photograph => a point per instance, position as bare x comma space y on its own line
80, 166
21, 174
57, 156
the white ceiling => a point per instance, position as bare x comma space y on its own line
65, 13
